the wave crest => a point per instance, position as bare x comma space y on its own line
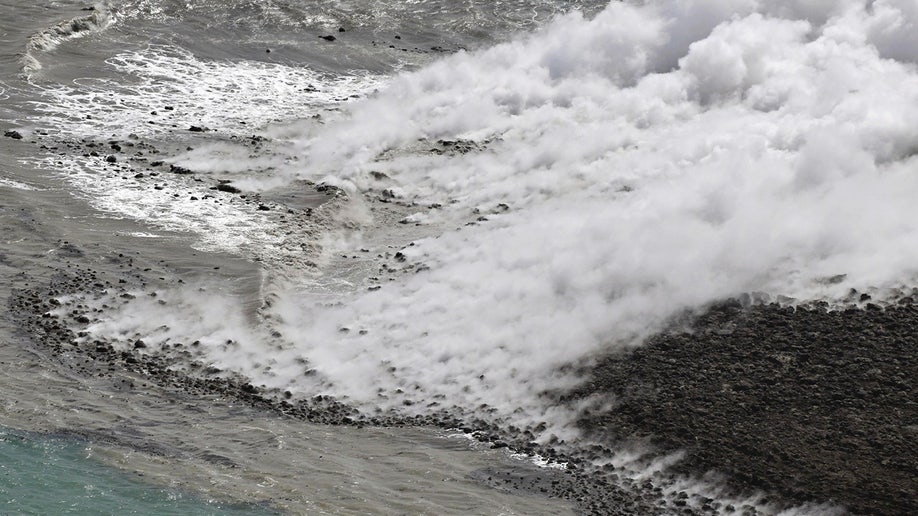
49, 39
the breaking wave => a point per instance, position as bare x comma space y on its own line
47, 40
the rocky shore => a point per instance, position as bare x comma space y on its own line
809, 403
32, 308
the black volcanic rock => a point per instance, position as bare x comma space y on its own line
228, 188
812, 404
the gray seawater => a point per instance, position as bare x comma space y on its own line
48, 475
71, 72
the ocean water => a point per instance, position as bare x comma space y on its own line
505, 190
42, 475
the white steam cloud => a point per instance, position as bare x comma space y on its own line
655, 158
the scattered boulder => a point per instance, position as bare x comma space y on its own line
16, 135
329, 189
249, 388
228, 188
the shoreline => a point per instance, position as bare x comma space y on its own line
30, 307
764, 431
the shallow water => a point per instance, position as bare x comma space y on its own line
42, 475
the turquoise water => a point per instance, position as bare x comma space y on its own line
49, 475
